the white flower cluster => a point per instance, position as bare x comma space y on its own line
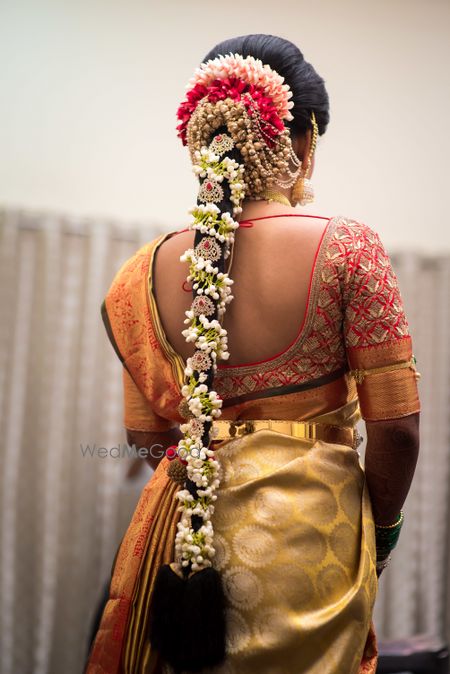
207, 280
208, 219
203, 404
208, 336
209, 165
196, 548
206, 158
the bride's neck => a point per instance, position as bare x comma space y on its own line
253, 208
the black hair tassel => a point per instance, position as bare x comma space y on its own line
166, 613
187, 621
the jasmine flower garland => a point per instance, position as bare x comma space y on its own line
194, 545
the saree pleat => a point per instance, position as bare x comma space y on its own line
148, 544
137, 652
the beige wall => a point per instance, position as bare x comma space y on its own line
91, 88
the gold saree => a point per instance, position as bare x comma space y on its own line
295, 545
293, 523
296, 550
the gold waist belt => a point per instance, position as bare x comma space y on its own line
308, 430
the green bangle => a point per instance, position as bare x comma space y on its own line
386, 536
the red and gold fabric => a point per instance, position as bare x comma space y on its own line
376, 331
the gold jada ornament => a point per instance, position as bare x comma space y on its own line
268, 161
211, 192
209, 249
202, 305
221, 144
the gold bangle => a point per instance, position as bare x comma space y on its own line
399, 521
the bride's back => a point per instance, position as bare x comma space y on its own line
271, 270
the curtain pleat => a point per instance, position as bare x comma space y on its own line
62, 513
413, 594
63, 510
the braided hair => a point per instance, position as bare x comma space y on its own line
237, 121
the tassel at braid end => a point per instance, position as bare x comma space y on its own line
187, 621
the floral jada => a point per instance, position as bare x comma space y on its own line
181, 587
252, 102
233, 124
232, 76
212, 292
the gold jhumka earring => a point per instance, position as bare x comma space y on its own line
303, 192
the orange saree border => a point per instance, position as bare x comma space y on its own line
370, 656
176, 361
153, 524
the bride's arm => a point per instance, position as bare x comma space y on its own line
390, 461
155, 444
145, 429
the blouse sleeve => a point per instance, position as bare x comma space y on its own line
138, 415
376, 330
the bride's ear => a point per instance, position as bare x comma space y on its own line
301, 144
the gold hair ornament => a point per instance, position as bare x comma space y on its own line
268, 161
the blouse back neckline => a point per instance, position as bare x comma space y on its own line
245, 368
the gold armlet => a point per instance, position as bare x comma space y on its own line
359, 375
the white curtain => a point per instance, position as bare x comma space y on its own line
62, 515
413, 594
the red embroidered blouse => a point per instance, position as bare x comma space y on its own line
354, 323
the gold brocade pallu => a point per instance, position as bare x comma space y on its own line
295, 545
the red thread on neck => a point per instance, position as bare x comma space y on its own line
280, 215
